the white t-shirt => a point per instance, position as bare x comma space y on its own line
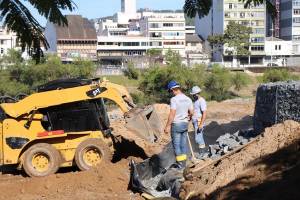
199, 107
182, 104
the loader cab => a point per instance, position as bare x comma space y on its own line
90, 115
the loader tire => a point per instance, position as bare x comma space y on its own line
92, 152
41, 160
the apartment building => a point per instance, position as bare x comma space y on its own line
8, 40
224, 11
165, 30
290, 23
77, 40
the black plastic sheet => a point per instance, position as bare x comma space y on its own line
160, 167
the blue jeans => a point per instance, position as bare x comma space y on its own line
179, 139
198, 133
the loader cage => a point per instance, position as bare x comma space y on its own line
76, 117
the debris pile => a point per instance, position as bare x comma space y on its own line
229, 142
275, 103
202, 181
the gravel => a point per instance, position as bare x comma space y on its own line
228, 142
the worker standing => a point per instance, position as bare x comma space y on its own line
181, 110
199, 117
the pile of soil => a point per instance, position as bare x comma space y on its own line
263, 160
108, 181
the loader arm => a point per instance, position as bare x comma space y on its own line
114, 92
143, 122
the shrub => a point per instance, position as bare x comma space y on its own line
24, 77
155, 79
131, 72
218, 84
275, 75
240, 80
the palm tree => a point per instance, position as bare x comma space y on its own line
202, 7
17, 17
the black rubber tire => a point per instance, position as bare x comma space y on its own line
98, 144
47, 150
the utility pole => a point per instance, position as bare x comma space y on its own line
272, 32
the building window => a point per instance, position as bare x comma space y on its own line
131, 44
257, 48
296, 11
230, 6
275, 47
258, 39
173, 43
168, 25
296, 20
155, 25
296, 2
2, 41
155, 34
242, 15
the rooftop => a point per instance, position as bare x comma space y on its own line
193, 38
78, 28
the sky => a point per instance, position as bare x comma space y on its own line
101, 8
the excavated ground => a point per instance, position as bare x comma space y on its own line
111, 180
267, 168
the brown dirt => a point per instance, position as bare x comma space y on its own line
106, 182
261, 161
111, 180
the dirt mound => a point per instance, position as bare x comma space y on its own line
106, 182
118, 124
223, 117
203, 181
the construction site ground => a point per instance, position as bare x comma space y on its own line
259, 172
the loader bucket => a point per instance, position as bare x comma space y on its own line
144, 122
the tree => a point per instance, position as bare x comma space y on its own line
202, 7
17, 17
173, 58
236, 39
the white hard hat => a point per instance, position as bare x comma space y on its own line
195, 90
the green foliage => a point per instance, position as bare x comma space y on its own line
189, 21
240, 80
24, 77
236, 37
141, 98
16, 16
155, 80
131, 72
173, 58
218, 84
275, 75
154, 52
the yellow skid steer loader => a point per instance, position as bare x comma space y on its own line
66, 123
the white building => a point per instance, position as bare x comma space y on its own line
165, 30
194, 51
277, 51
224, 11
8, 40
128, 11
